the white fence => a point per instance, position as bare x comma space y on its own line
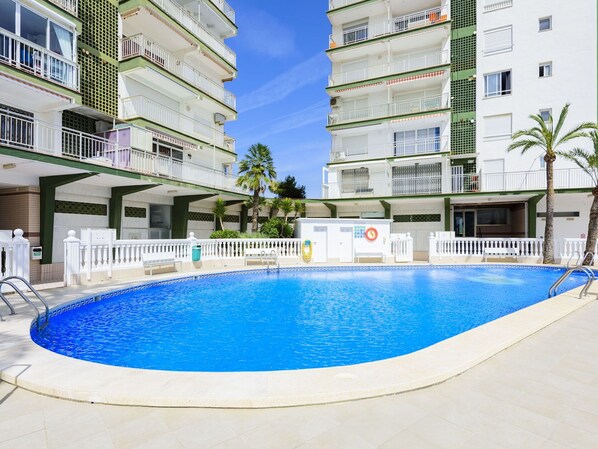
444, 246
14, 257
402, 247
86, 258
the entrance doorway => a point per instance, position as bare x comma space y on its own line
465, 223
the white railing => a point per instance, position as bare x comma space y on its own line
441, 246
565, 178
398, 149
334, 4
420, 185
399, 24
183, 17
572, 250
14, 258
493, 5
32, 58
143, 107
402, 247
406, 63
68, 5
140, 46
34, 135
223, 6
404, 107
88, 257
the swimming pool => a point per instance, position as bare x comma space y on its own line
294, 319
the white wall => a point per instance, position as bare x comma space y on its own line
569, 227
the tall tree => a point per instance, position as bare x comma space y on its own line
298, 208
257, 173
220, 211
547, 137
588, 162
274, 204
286, 205
290, 189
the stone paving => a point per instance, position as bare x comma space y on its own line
541, 393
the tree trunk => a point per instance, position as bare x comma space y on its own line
592, 229
549, 229
256, 210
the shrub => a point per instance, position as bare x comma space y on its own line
225, 234
277, 228
256, 235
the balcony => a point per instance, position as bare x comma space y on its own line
143, 107
140, 46
493, 5
405, 107
407, 63
223, 6
70, 6
34, 135
382, 184
335, 4
187, 21
416, 147
395, 25
38, 61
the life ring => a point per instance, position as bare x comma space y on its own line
306, 250
371, 234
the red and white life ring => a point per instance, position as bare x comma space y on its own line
371, 234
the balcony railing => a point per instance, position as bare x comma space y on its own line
334, 4
183, 17
405, 107
140, 46
377, 184
34, 135
395, 25
407, 63
223, 6
492, 5
68, 5
397, 149
143, 107
32, 58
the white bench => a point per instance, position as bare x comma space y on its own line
501, 252
370, 255
263, 255
151, 260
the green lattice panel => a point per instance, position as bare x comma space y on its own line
463, 137
463, 13
463, 53
79, 122
99, 83
100, 26
135, 212
231, 219
74, 207
417, 218
463, 96
201, 216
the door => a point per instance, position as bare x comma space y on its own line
457, 179
320, 242
345, 244
464, 223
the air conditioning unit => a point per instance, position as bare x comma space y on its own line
339, 155
219, 119
333, 101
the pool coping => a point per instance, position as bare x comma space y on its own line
29, 366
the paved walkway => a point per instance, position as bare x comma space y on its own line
540, 393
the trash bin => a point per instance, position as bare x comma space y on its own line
196, 253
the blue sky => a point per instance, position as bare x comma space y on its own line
280, 88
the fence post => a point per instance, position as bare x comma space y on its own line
409, 247
192, 242
432, 246
72, 260
20, 255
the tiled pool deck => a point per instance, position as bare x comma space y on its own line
540, 393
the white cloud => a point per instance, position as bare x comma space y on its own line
265, 34
310, 71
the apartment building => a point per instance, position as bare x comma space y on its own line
112, 114
424, 98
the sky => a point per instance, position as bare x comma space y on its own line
280, 87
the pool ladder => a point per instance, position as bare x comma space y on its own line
577, 267
9, 281
275, 257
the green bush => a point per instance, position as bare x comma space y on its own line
277, 228
257, 235
225, 234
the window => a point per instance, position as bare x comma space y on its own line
498, 126
417, 179
7, 15
355, 180
355, 145
421, 141
33, 27
497, 84
545, 23
546, 114
167, 150
498, 41
542, 162
490, 217
354, 71
545, 70
355, 33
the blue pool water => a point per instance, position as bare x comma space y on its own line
294, 319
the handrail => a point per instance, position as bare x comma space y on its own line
27, 300
578, 267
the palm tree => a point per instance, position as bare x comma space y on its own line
298, 208
286, 206
220, 211
274, 206
257, 173
588, 162
546, 137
